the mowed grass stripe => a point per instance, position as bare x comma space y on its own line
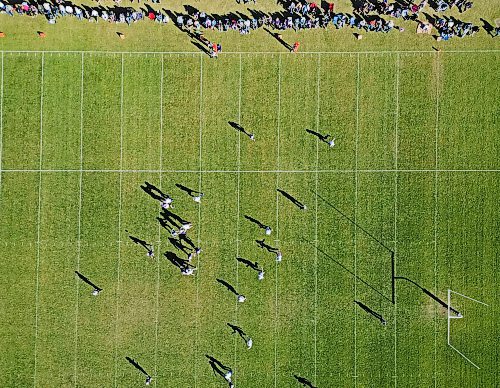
375, 214
298, 112
98, 261
101, 128
181, 106
216, 304
337, 115
177, 295
141, 112
296, 280
415, 260
335, 281
58, 249
137, 282
259, 111
220, 140
256, 365
61, 126
136, 324
376, 111
21, 127
18, 209
417, 102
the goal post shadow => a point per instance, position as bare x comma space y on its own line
450, 317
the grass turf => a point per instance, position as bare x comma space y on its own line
415, 165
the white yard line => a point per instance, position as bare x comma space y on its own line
158, 255
355, 227
78, 250
252, 52
438, 81
396, 127
119, 227
316, 227
36, 170
277, 228
199, 224
38, 227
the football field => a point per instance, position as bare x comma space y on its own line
410, 190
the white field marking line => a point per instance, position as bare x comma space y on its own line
396, 215
159, 227
436, 212
238, 212
339, 171
78, 250
38, 226
199, 225
459, 352
468, 297
448, 325
355, 227
1, 121
449, 317
316, 227
119, 226
277, 228
193, 53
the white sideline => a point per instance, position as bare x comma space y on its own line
248, 52
339, 171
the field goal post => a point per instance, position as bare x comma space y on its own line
450, 317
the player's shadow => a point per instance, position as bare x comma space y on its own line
305, 382
255, 221
487, 27
279, 38
262, 244
227, 285
153, 191
292, 199
248, 263
187, 190
136, 365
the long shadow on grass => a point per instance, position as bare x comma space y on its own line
349, 271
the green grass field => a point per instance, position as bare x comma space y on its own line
415, 165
